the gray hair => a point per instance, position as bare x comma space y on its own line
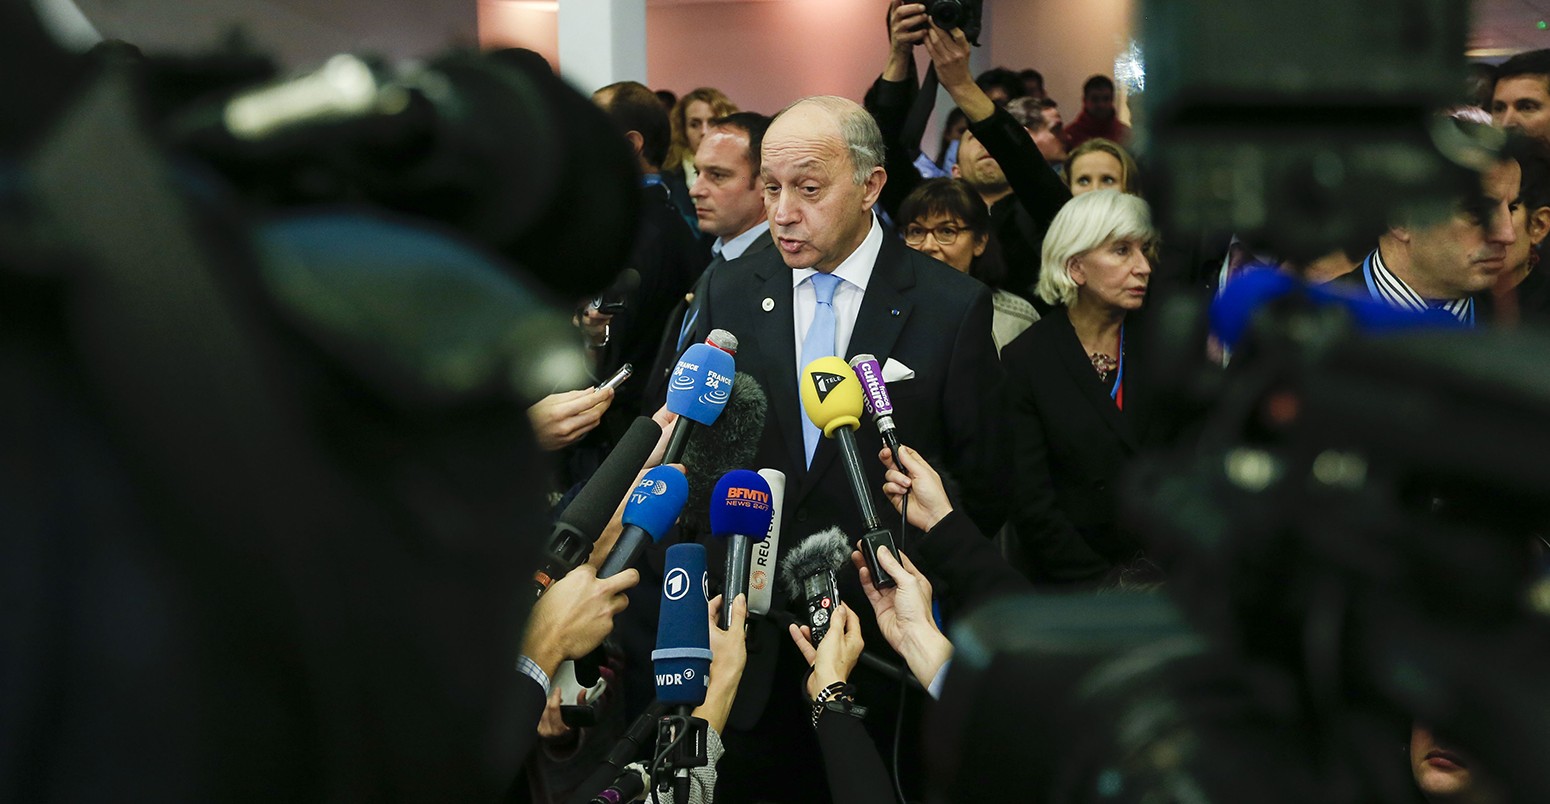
1083, 224
1028, 112
863, 139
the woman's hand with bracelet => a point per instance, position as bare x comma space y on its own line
836, 655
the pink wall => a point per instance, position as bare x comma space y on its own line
767, 53
530, 25
1066, 40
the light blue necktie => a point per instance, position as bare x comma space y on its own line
819, 343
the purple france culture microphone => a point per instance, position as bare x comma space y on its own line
741, 509
652, 508
698, 390
875, 395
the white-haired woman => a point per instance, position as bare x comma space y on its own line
1071, 384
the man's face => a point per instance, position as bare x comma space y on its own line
726, 195
1052, 119
1050, 146
1099, 103
818, 214
1467, 252
1523, 103
1033, 88
977, 167
696, 118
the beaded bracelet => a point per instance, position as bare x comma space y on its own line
839, 697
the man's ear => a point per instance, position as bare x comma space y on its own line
1400, 233
957, 174
1538, 225
873, 188
637, 142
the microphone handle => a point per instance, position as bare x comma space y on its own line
568, 547
738, 548
631, 542
846, 436
680, 440
869, 545
589, 668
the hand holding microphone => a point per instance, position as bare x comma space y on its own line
835, 656
832, 399
575, 616
904, 615
920, 483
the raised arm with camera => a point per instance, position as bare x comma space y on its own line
891, 97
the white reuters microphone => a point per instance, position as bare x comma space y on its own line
761, 570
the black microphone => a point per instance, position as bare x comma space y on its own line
588, 514
731, 444
831, 397
808, 572
741, 511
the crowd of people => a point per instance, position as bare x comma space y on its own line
1017, 324
1002, 278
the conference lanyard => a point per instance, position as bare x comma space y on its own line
1117, 393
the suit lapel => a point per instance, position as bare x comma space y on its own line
884, 309
1074, 359
776, 341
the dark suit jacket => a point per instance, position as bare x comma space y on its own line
966, 569
917, 311
1071, 442
655, 382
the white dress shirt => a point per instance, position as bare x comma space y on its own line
734, 248
856, 272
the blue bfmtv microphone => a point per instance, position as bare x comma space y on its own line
682, 657
741, 509
698, 390
1233, 312
652, 508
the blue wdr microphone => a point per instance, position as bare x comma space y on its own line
741, 509
682, 657
698, 390
682, 665
654, 505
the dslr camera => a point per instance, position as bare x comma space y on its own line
964, 14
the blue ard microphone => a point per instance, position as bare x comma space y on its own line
698, 390
741, 509
653, 506
682, 665
682, 657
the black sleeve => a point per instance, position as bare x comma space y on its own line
975, 442
1038, 189
891, 102
1049, 540
850, 760
969, 565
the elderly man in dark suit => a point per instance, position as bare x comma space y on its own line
835, 284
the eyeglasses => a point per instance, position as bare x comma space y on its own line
946, 235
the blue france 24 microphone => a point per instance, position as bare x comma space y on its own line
741, 509
698, 390
652, 508
681, 660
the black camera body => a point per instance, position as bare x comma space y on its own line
965, 14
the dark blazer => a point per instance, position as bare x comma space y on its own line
921, 313
1071, 442
655, 381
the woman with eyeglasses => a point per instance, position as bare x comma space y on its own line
947, 220
1078, 416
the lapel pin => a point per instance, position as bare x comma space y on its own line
769, 304
894, 312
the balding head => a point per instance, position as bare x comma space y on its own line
822, 172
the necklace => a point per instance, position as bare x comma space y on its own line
1104, 365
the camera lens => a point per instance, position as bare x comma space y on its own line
947, 13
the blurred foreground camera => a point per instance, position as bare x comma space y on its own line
964, 14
